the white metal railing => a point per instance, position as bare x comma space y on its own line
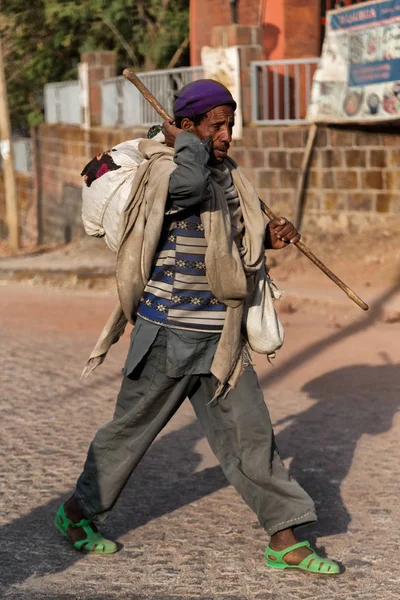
62, 103
281, 90
123, 105
22, 153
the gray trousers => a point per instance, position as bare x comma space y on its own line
238, 429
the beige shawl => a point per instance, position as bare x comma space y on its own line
227, 272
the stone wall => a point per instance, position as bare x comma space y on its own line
354, 177
27, 208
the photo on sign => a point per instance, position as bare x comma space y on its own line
358, 78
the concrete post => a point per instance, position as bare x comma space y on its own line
248, 40
93, 69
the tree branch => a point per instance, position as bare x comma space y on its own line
163, 14
152, 23
178, 53
151, 28
121, 40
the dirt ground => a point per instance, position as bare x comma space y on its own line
333, 394
375, 248
370, 258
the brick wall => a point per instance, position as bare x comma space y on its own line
205, 14
27, 208
291, 28
354, 176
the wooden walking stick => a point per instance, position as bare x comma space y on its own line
133, 78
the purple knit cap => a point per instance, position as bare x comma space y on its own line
200, 96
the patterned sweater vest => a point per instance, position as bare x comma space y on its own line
178, 293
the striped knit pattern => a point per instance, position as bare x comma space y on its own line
178, 293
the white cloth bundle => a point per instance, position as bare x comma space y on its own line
104, 201
262, 327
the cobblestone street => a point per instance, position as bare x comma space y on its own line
333, 394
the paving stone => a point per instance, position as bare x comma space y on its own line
185, 532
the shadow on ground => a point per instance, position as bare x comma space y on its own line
163, 482
367, 320
350, 402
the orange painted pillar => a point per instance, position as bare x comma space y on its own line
273, 26
291, 30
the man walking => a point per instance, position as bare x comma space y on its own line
187, 341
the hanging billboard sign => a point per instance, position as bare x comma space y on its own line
358, 79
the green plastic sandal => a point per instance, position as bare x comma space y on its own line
93, 542
311, 563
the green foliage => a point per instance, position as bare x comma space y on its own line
43, 40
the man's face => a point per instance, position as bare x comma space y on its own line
217, 124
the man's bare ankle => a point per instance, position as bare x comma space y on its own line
72, 510
283, 539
